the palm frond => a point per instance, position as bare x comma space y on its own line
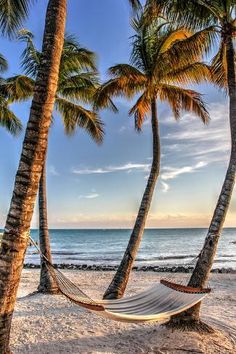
143, 43
80, 87
17, 88
181, 99
219, 67
123, 86
190, 74
76, 58
12, 14
30, 58
185, 52
75, 116
77, 82
126, 70
172, 36
189, 13
215, 8
8, 119
140, 110
3, 63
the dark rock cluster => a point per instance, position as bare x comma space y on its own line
104, 268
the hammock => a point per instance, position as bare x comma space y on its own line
158, 303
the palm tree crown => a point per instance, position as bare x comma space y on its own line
77, 82
162, 60
217, 16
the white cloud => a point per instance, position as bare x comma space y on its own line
173, 172
89, 196
111, 169
165, 187
189, 140
90, 171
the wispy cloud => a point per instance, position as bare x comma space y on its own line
111, 169
173, 172
89, 196
165, 186
189, 140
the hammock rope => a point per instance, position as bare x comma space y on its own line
158, 303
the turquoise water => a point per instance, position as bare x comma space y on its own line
160, 247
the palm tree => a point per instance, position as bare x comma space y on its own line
12, 13
8, 120
16, 231
220, 15
77, 82
162, 60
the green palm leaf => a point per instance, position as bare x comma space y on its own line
76, 58
30, 57
12, 13
18, 88
8, 119
75, 116
80, 87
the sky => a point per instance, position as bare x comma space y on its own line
92, 186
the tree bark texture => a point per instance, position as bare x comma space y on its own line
47, 283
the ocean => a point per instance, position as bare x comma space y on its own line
159, 247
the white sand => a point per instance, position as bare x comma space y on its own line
51, 324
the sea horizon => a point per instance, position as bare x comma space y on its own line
160, 247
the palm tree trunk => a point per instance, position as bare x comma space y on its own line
205, 261
117, 287
15, 237
47, 283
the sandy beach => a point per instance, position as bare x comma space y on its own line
51, 324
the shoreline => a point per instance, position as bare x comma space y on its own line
107, 268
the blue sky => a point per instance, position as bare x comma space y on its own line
91, 186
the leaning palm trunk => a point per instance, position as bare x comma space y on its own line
117, 287
15, 237
205, 261
47, 283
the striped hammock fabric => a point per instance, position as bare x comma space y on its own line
158, 303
